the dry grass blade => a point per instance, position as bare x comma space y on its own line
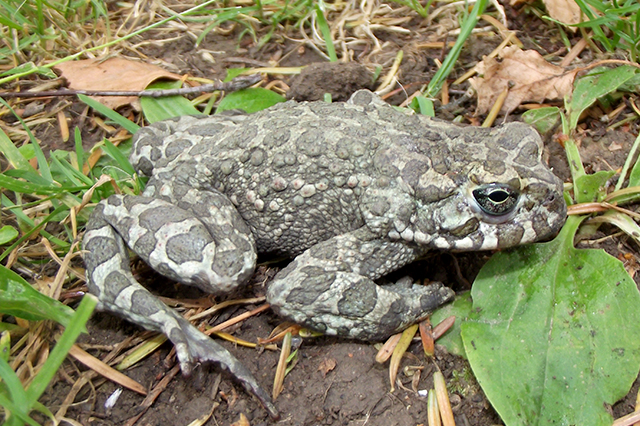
143, 350
443, 327
219, 306
386, 85
628, 420
387, 349
278, 380
495, 109
433, 411
426, 335
228, 337
280, 331
443, 399
398, 352
237, 319
202, 420
106, 371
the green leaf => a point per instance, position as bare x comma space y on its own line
543, 119
249, 100
590, 188
422, 105
233, 73
593, 86
5, 345
158, 109
18, 298
7, 233
460, 308
555, 333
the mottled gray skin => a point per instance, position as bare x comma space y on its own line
353, 191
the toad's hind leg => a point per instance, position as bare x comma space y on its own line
214, 256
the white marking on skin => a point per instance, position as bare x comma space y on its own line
105, 268
105, 231
490, 241
407, 234
421, 237
123, 300
158, 255
441, 243
529, 233
464, 244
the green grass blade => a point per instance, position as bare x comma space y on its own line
42, 161
9, 183
13, 154
79, 150
60, 351
435, 85
21, 300
128, 125
17, 415
29, 233
18, 395
112, 151
326, 32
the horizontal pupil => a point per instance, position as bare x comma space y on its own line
499, 196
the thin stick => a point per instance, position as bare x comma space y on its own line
238, 83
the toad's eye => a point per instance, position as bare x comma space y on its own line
496, 199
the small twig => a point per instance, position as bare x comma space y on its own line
238, 83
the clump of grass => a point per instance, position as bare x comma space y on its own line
615, 24
39, 29
416, 6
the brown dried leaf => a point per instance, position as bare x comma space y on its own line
327, 365
565, 11
525, 74
112, 74
242, 421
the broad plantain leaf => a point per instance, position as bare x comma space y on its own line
460, 308
555, 333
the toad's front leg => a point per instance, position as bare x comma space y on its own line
330, 288
199, 246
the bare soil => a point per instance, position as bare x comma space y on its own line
356, 390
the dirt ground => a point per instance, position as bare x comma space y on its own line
356, 390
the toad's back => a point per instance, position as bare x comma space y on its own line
297, 172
